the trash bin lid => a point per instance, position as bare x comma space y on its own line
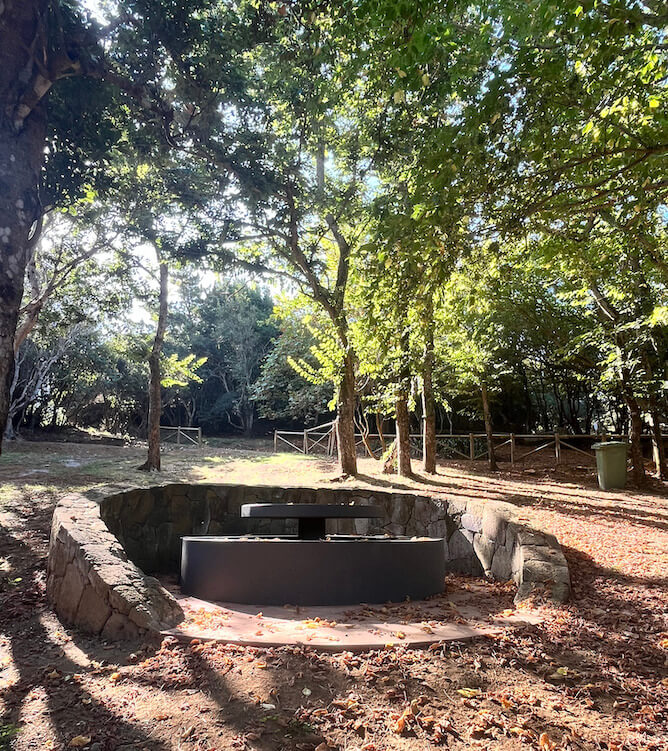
608, 445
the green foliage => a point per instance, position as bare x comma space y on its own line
473, 188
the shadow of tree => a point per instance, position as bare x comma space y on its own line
41, 664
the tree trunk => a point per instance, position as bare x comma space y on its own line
658, 446
22, 141
403, 435
345, 417
428, 407
154, 390
488, 428
381, 437
635, 431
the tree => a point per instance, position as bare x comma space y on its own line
229, 327
291, 385
472, 339
154, 384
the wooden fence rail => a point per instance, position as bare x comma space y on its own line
465, 445
181, 435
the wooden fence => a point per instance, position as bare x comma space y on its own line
471, 446
181, 435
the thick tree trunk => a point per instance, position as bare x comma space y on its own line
154, 390
22, 141
428, 407
488, 428
635, 432
403, 435
345, 417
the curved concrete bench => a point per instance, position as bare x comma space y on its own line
105, 544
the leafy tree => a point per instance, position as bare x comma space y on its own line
292, 385
229, 328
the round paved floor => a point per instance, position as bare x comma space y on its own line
453, 616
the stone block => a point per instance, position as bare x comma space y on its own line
53, 587
456, 506
59, 557
92, 612
422, 515
401, 511
543, 571
142, 617
469, 565
471, 522
494, 524
511, 534
543, 553
144, 507
437, 528
71, 589
552, 541
560, 591
502, 565
460, 546
120, 628
526, 536
524, 590
484, 549
361, 526
123, 598
180, 509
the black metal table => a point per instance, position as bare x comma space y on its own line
311, 517
311, 568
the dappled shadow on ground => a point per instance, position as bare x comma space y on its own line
591, 675
48, 686
633, 507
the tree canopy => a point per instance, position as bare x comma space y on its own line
462, 209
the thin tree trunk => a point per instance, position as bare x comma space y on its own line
154, 390
658, 446
428, 406
22, 140
403, 435
345, 417
363, 424
488, 427
381, 437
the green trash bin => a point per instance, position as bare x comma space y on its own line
611, 464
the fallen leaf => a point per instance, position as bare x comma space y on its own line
468, 693
79, 741
400, 723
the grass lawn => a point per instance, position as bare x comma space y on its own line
593, 675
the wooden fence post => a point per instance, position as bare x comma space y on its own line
199, 437
178, 435
305, 442
275, 441
471, 447
512, 449
557, 449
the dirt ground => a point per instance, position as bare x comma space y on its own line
592, 675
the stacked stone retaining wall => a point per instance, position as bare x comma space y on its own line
106, 543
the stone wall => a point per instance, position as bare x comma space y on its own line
92, 584
104, 544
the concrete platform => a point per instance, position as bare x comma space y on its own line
415, 624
